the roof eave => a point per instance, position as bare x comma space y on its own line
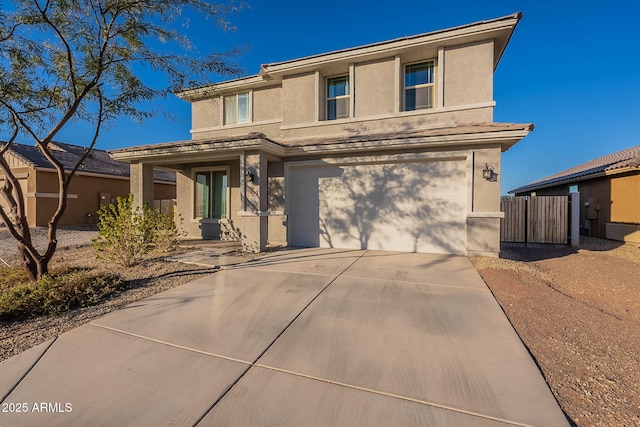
501, 138
505, 23
189, 149
212, 90
500, 51
586, 177
27, 163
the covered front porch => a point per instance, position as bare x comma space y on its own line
228, 189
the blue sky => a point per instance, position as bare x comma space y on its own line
571, 68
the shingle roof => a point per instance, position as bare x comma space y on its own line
629, 158
98, 161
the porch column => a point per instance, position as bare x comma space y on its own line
141, 184
253, 170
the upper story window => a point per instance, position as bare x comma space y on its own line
418, 86
236, 109
338, 98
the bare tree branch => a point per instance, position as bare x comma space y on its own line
64, 61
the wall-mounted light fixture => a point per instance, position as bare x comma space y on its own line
488, 173
250, 176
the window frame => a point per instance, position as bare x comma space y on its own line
432, 84
347, 97
227, 191
235, 97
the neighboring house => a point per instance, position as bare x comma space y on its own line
99, 181
382, 146
609, 190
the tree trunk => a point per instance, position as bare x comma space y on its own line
35, 268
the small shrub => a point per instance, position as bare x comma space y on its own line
11, 275
66, 290
127, 235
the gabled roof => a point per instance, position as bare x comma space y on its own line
621, 161
98, 162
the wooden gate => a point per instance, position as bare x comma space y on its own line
535, 219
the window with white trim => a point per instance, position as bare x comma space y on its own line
210, 194
419, 86
237, 109
338, 97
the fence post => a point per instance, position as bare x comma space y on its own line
575, 219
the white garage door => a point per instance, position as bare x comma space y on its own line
415, 207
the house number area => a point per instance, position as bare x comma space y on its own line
48, 407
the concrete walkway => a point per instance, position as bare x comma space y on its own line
309, 337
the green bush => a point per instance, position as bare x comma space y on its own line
128, 235
55, 294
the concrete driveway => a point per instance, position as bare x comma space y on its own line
308, 337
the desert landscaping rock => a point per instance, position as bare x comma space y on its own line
577, 312
149, 278
66, 236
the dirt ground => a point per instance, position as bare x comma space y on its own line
578, 312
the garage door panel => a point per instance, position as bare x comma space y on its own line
306, 206
306, 230
408, 207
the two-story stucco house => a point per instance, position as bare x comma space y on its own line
388, 146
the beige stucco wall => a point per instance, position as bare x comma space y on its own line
486, 194
483, 219
206, 113
399, 122
267, 104
277, 220
298, 99
272, 130
468, 74
375, 88
295, 107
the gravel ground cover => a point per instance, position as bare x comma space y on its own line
151, 277
67, 237
578, 312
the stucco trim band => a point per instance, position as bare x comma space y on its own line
50, 195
